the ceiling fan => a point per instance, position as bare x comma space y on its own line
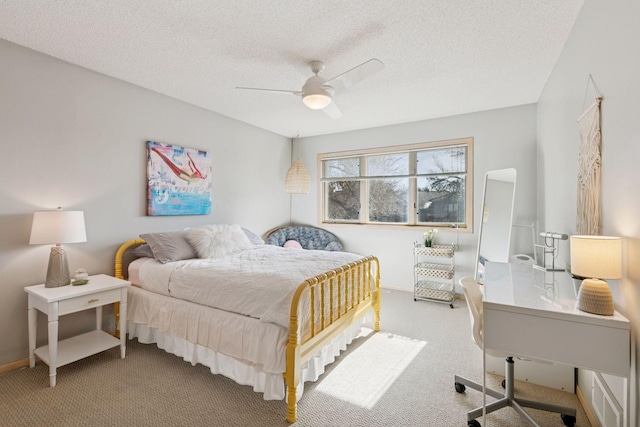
317, 92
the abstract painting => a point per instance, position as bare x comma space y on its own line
178, 180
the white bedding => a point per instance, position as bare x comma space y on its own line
234, 335
232, 283
134, 270
207, 311
241, 348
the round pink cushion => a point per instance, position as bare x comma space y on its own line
292, 244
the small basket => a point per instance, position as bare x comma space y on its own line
440, 251
439, 271
434, 291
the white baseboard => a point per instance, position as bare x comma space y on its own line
409, 291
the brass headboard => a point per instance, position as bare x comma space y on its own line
121, 250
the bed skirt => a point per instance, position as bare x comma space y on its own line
197, 335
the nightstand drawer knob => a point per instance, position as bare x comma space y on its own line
93, 300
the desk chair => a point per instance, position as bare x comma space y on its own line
474, 302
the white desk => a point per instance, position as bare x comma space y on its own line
533, 314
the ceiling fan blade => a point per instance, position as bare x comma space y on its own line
332, 110
356, 74
295, 92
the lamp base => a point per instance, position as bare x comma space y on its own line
595, 297
58, 269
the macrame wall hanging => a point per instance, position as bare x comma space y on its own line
589, 165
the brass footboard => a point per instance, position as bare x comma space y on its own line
331, 302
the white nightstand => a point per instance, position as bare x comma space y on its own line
55, 302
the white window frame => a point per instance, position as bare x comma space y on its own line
412, 150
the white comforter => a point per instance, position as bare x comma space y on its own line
258, 282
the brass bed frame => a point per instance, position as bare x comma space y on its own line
341, 295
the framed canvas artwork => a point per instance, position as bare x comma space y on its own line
178, 180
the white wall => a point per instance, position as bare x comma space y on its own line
605, 42
76, 139
502, 138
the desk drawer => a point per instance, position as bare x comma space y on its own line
583, 345
86, 302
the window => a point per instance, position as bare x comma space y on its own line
428, 184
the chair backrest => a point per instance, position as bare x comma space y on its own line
474, 302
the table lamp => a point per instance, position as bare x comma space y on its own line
57, 227
596, 258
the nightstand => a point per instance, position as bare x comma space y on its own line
55, 302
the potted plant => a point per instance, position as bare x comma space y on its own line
429, 236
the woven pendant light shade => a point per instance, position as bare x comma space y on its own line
298, 180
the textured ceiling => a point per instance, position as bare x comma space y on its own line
442, 57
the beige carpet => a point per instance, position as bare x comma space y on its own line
400, 377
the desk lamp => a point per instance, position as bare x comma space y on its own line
57, 227
596, 258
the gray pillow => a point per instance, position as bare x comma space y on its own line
169, 246
143, 251
253, 237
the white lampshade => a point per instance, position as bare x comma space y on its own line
57, 227
598, 257
298, 180
316, 101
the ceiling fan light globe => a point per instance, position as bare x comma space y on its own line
316, 101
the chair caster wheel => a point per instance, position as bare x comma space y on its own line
504, 383
460, 388
473, 423
451, 305
568, 420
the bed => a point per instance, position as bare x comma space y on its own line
266, 326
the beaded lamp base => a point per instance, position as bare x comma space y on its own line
58, 270
595, 297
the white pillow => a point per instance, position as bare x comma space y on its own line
216, 241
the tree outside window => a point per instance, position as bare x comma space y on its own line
422, 184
